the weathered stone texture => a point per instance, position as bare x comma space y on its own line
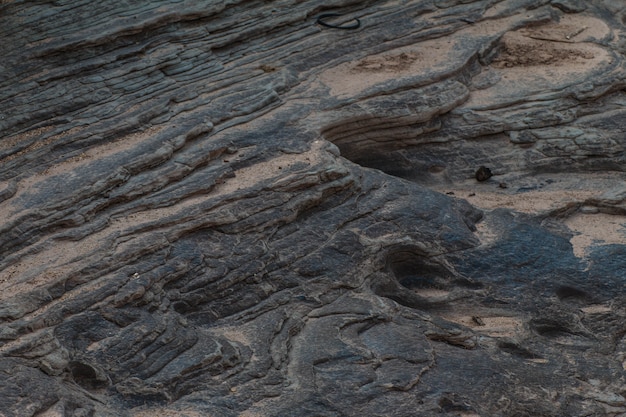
222, 208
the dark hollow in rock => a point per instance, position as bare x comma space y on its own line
515, 349
565, 292
453, 402
554, 329
87, 376
418, 272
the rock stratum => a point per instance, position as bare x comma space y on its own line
223, 208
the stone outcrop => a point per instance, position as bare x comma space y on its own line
223, 208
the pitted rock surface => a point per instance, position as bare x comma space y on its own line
222, 208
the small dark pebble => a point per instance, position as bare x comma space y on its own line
503, 185
450, 193
471, 194
483, 174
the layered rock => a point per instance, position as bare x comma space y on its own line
226, 209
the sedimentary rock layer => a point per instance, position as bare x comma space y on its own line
224, 208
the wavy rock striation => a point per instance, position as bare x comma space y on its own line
221, 208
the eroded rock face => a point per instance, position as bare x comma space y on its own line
222, 208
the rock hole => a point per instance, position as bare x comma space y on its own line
86, 376
565, 292
419, 274
550, 329
389, 163
453, 402
414, 280
436, 169
517, 350
182, 307
386, 143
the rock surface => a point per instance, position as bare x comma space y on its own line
221, 208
